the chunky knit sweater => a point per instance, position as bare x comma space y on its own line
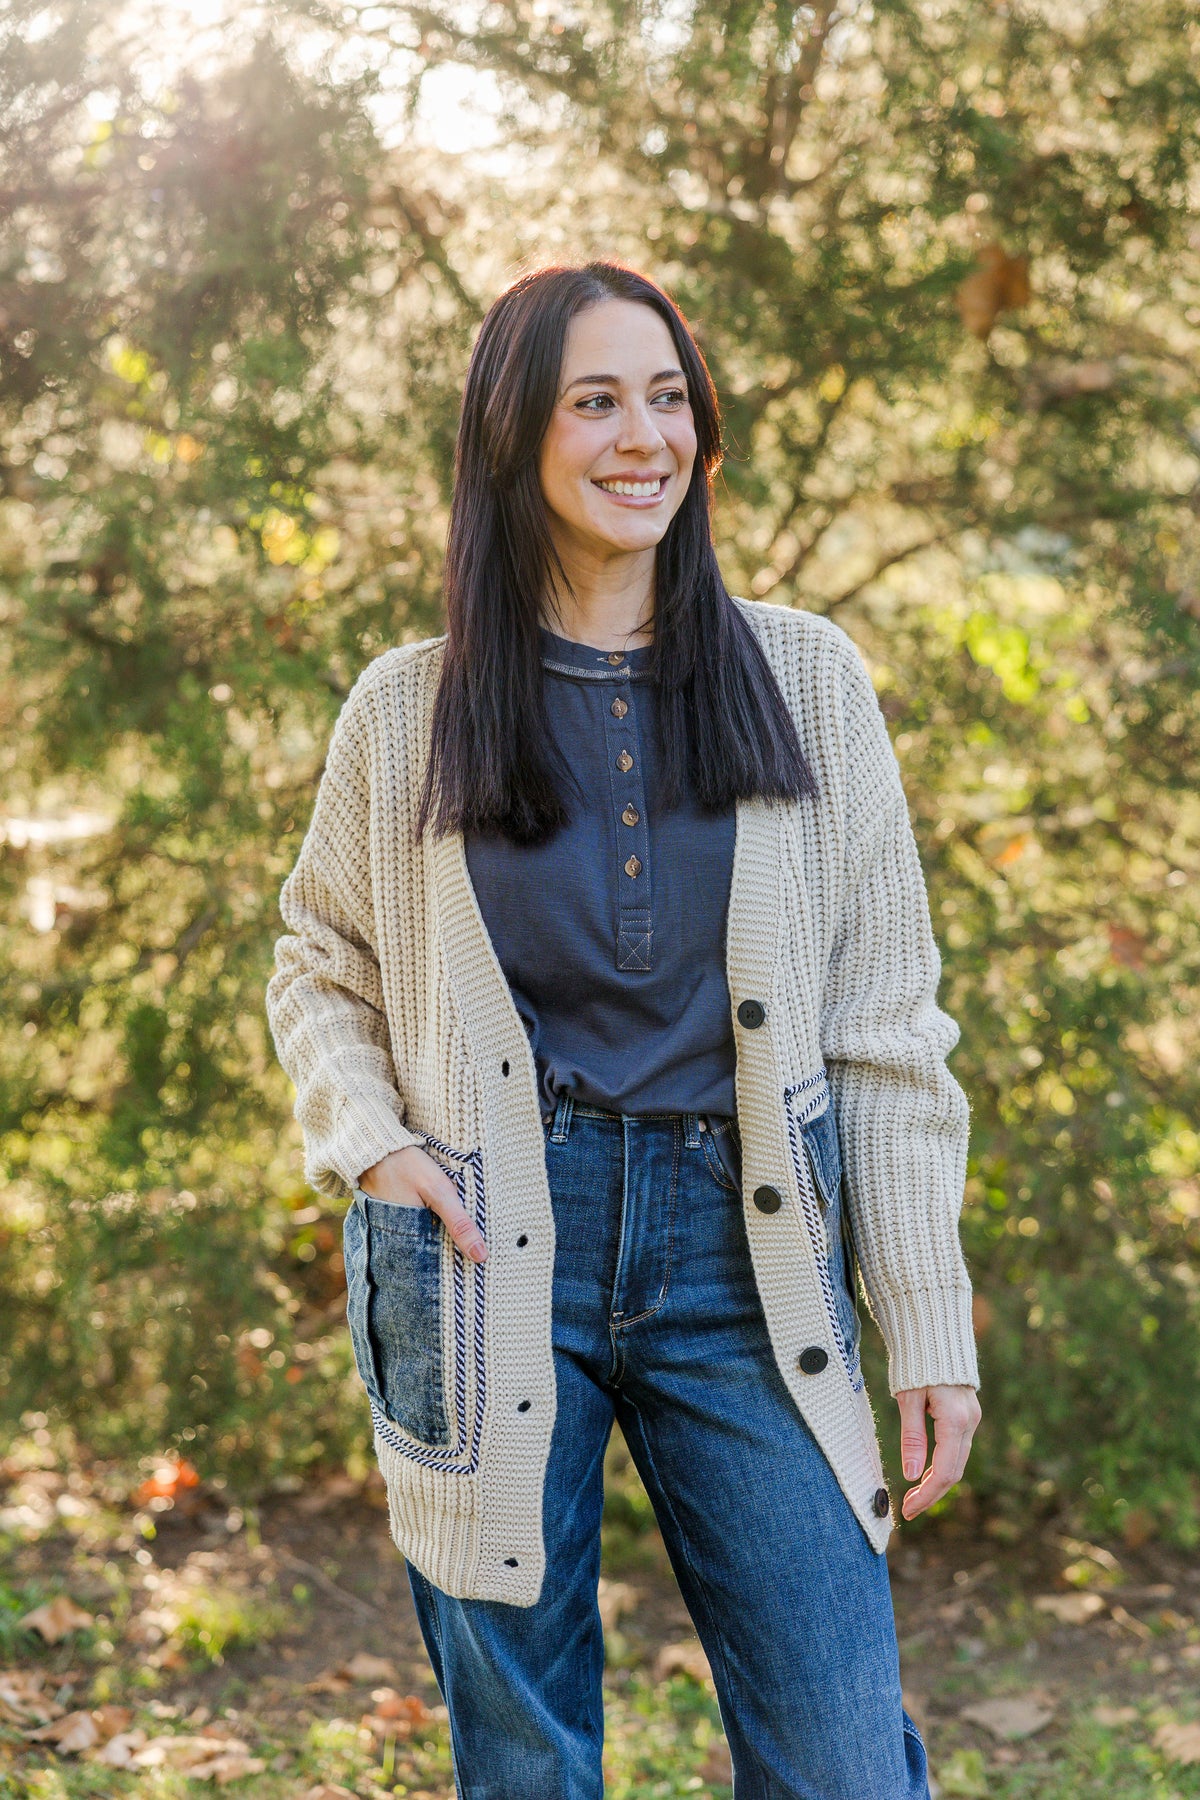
392, 1016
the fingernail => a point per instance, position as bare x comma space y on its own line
911, 1469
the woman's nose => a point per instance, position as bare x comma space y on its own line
639, 430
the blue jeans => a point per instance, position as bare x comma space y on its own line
658, 1324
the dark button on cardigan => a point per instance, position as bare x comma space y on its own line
612, 936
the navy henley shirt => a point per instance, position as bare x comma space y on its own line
612, 935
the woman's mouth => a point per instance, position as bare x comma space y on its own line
624, 488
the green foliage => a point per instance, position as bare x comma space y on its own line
238, 313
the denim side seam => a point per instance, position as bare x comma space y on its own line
701, 1589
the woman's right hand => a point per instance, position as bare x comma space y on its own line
410, 1177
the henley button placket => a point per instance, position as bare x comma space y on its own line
634, 924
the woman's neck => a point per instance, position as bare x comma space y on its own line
610, 608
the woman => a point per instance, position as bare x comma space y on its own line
609, 996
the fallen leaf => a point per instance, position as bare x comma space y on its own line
57, 1619
685, 1658
112, 1719
185, 1751
1008, 1719
1070, 1609
120, 1750
172, 1477
1079, 1547
328, 1682
327, 1790
22, 1699
1138, 1627
203, 1758
72, 1733
228, 1767
362, 1666
1114, 1715
394, 1715
1179, 1742
388, 1704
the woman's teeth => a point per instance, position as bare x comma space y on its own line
635, 490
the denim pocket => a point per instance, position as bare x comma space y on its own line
812, 1125
722, 1152
394, 1309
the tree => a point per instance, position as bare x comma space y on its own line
943, 265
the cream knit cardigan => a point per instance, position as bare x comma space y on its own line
393, 1018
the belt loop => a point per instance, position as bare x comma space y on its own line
563, 1110
691, 1130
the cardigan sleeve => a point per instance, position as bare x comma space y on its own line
903, 1119
325, 999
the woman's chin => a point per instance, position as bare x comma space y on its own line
629, 537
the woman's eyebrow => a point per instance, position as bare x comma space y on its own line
615, 380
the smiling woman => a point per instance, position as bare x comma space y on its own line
584, 382
620, 1028
618, 454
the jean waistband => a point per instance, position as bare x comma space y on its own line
558, 1123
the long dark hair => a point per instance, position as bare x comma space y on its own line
493, 765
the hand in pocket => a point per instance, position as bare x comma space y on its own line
410, 1177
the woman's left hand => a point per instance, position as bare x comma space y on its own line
955, 1414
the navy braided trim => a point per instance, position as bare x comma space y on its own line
806, 1101
462, 1456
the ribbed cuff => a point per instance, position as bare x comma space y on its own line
368, 1129
929, 1336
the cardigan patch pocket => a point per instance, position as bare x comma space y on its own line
817, 1158
394, 1309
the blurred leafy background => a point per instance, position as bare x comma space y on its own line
944, 260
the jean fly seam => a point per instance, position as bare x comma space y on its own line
617, 1366
648, 1312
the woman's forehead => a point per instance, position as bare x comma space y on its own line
618, 339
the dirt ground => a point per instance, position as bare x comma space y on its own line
209, 1613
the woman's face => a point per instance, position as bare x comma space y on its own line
617, 456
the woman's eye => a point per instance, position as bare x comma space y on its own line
669, 398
